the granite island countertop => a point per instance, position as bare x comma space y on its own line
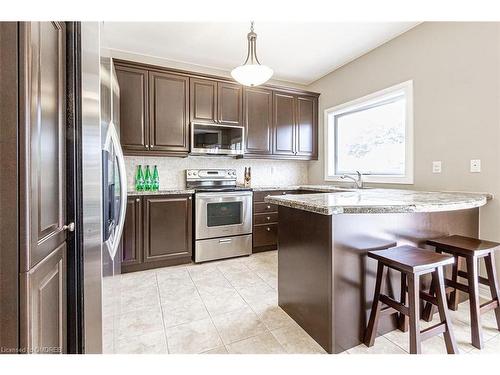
375, 201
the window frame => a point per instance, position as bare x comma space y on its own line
366, 102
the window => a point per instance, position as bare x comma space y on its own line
372, 135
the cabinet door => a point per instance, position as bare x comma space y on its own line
132, 233
203, 96
284, 124
167, 228
307, 126
230, 101
169, 101
258, 109
46, 304
134, 127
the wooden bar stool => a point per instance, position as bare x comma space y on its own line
412, 262
472, 249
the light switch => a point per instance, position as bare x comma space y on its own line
436, 167
475, 165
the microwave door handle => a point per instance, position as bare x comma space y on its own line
113, 137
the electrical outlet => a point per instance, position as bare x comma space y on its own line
436, 167
475, 166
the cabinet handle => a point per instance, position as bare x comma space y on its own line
268, 207
147, 146
137, 200
284, 193
268, 229
190, 198
152, 146
268, 218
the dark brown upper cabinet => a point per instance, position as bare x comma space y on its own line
168, 112
295, 127
307, 126
134, 126
229, 98
167, 228
284, 124
203, 100
258, 120
215, 102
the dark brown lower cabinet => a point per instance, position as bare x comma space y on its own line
157, 232
265, 220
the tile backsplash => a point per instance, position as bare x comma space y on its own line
264, 172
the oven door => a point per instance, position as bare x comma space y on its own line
223, 214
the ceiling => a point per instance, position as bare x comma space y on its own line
297, 52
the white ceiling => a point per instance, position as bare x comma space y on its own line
297, 52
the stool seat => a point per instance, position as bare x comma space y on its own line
411, 259
465, 245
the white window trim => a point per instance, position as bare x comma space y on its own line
407, 88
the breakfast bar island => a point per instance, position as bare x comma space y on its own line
325, 280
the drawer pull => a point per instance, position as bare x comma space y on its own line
268, 229
137, 199
226, 240
284, 193
268, 218
268, 207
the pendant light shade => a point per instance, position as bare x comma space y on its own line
252, 72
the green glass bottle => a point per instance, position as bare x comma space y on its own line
147, 179
155, 181
139, 179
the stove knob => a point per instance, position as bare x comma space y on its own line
190, 173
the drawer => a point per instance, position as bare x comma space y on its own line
220, 248
265, 235
265, 218
259, 208
259, 196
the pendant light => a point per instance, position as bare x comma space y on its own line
252, 73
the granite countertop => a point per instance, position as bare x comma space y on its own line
133, 193
355, 201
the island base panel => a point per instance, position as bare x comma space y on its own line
325, 280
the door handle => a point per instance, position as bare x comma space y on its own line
70, 227
268, 229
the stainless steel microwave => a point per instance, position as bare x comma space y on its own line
217, 139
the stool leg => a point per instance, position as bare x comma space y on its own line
475, 315
403, 319
453, 303
414, 307
449, 338
371, 330
428, 312
492, 278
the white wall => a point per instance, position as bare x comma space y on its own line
455, 68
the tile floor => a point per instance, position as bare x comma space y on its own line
230, 306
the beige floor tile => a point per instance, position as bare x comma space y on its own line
237, 325
296, 341
172, 292
262, 344
203, 271
273, 316
259, 295
184, 310
381, 346
434, 345
213, 285
133, 279
462, 333
220, 303
138, 322
194, 337
177, 275
242, 279
491, 346
139, 297
149, 343
233, 266
219, 350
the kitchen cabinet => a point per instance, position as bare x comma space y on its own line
295, 125
132, 233
258, 120
214, 102
168, 112
158, 104
134, 126
158, 232
265, 220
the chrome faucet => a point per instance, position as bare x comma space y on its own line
358, 181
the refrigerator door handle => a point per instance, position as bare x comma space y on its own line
113, 141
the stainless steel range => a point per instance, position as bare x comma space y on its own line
223, 214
